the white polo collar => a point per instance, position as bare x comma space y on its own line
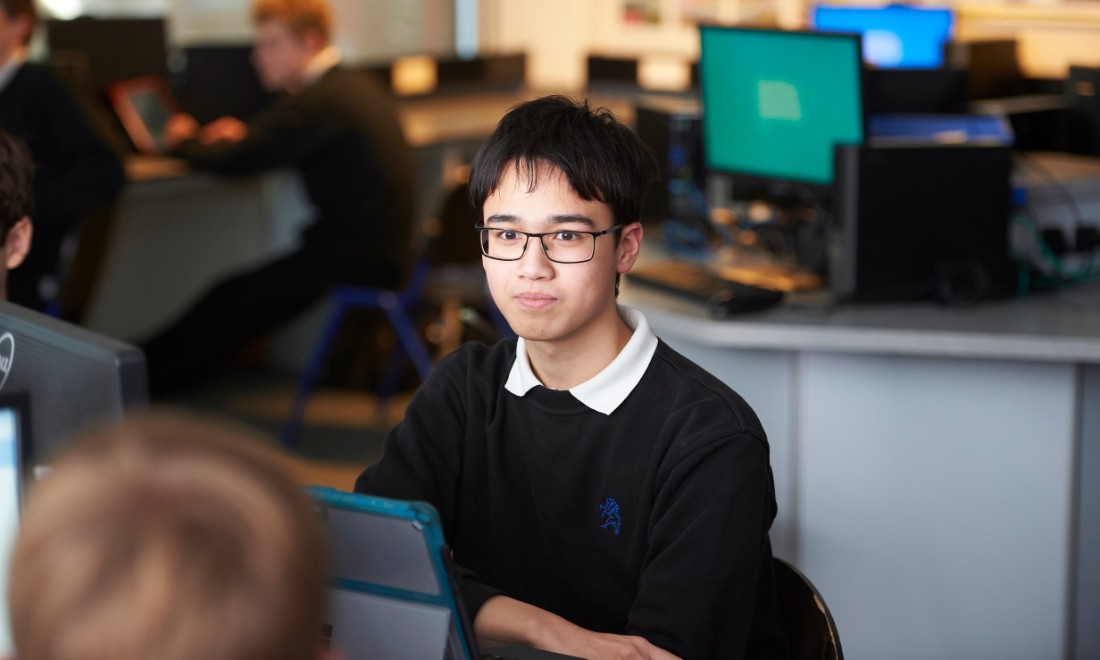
605, 391
320, 64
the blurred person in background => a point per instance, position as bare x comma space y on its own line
168, 537
77, 173
16, 177
340, 130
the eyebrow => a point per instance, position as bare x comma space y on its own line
562, 219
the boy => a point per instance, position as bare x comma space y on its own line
339, 129
611, 498
172, 538
77, 172
16, 174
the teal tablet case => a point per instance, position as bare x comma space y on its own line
393, 592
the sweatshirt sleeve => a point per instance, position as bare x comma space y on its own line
422, 457
277, 138
708, 540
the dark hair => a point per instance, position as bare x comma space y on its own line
602, 158
16, 179
15, 8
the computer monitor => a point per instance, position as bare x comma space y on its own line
776, 103
97, 52
13, 434
73, 376
144, 106
894, 36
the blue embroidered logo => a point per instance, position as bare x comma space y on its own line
610, 512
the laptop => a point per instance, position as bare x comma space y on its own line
393, 593
144, 105
14, 437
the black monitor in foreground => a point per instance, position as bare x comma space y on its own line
74, 377
776, 103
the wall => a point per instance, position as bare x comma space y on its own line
559, 35
1049, 38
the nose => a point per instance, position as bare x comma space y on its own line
534, 264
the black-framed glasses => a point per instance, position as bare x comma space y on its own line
565, 246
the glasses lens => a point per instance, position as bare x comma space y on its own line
569, 247
503, 243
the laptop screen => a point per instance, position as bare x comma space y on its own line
12, 425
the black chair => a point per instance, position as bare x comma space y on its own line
456, 284
809, 624
399, 306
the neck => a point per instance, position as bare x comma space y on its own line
319, 62
13, 56
565, 363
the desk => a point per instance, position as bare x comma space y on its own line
937, 469
177, 232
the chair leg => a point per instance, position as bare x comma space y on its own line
407, 335
293, 428
390, 379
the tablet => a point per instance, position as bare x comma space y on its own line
144, 105
392, 593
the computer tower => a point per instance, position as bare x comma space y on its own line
1083, 85
673, 129
992, 64
921, 222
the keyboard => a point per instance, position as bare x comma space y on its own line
722, 297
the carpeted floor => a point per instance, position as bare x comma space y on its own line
343, 431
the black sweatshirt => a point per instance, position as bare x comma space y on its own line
75, 169
650, 521
342, 134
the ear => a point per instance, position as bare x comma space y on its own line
17, 246
314, 40
630, 246
23, 27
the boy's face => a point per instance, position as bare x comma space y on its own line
281, 56
547, 301
13, 33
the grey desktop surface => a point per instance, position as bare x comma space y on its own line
1061, 326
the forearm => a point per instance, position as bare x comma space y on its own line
504, 619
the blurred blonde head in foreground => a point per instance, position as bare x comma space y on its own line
168, 537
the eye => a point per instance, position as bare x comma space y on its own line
508, 235
567, 236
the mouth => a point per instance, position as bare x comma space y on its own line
534, 301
